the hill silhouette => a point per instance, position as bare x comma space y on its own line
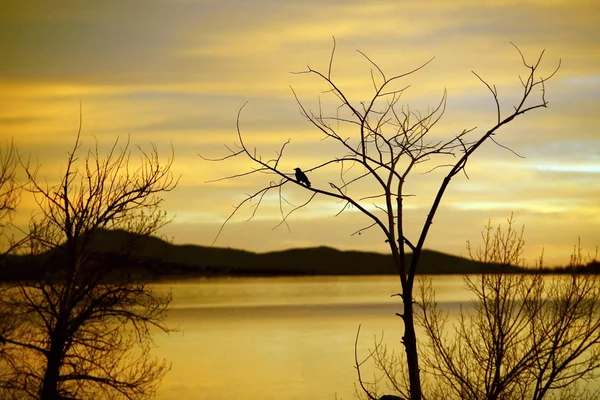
151, 258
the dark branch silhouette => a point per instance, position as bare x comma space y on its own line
83, 330
390, 141
10, 195
526, 336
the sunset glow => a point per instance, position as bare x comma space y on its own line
175, 73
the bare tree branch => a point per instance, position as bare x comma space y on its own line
390, 140
82, 328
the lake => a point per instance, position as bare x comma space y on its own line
286, 338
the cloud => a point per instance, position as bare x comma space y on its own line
176, 73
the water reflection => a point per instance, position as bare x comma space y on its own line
279, 338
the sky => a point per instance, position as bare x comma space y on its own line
175, 73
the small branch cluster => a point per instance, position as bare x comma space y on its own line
526, 336
82, 330
10, 192
391, 370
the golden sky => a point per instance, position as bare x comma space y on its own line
176, 72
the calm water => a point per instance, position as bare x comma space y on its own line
279, 338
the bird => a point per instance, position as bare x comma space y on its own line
301, 177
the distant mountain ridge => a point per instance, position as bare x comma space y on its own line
152, 258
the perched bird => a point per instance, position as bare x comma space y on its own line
301, 177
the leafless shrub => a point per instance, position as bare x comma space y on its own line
526, 336
84, 329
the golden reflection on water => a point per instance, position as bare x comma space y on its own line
279, 338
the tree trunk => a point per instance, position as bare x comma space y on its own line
410, 345
50, 383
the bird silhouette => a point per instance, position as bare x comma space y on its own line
301, 177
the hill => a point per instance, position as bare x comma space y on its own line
153, 258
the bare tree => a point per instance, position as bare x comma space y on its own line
380, 143
526, 336
10, 191
83, 329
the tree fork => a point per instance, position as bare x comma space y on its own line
372, 156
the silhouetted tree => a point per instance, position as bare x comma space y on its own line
526, 336
10, 191
84, 330
389, 141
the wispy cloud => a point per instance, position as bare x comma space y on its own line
176, 73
